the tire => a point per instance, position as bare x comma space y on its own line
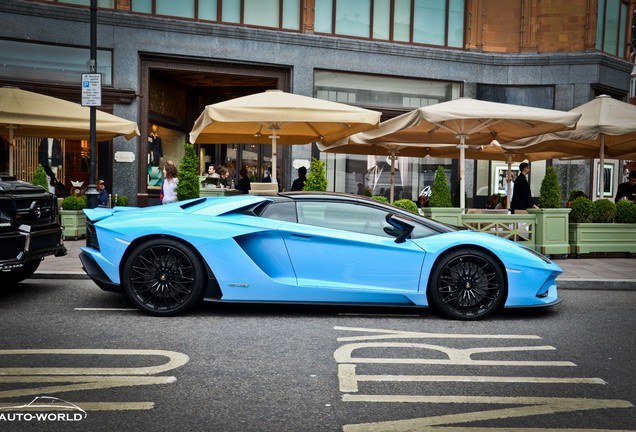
17, 275
163, 277
467, 285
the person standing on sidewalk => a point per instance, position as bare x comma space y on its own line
299, 183
521, 195
169, 185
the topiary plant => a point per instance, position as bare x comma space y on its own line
121, 200
550, 192
188, 176
581, 210
603, 211
73, 202
625, 212
317, 177
406, 204
40, 178
380, 198
440, 193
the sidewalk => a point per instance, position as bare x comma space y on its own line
592, 271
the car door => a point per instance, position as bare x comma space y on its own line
344, 246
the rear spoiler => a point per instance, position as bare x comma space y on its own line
100, 213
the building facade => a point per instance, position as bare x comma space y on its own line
163, 61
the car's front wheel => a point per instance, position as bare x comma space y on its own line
467, 284
163, 277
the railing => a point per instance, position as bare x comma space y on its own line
519, 228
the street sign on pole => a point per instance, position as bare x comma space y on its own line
92, 89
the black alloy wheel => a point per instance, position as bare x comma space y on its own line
467, 285
163, 277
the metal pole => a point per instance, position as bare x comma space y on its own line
91, 193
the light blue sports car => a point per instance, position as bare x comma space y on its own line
307, 247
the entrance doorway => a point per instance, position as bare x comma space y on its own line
177, 91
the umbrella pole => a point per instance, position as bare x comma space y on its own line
274, 128
10, 149
392, 157
601, 171
462, 162
509, 182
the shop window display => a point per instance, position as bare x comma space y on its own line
163, 144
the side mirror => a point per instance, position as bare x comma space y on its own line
402, 229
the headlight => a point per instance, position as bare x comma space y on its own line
537, 254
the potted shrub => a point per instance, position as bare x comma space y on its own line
317, 177
581, 210
72, 216
551, 230
406, 204
602, 226
440, 206
40, 178
121, 200
380, 198
625, 212
603, 211
188, 174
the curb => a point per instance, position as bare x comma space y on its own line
60, 275
596, 284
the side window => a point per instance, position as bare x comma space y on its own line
419, 230
344, 216
283, 211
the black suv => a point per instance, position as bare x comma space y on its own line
29, 229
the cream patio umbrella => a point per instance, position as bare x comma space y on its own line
278, 117
468, 123
33, 114
356, 144
607, 128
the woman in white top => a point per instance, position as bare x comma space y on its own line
169, 185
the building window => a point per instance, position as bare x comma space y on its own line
534, 96
103, 4
51, 63
429, 22
380, 92
284, 14
611, 27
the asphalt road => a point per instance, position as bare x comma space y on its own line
309, 368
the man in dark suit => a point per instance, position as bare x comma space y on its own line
521, 194
50, 152
627, 190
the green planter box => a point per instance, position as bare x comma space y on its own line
73, 223
551, 233
602, 237
448, 215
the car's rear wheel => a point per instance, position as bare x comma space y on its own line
17, 275
467, 284
163, 277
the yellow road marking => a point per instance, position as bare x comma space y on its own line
402, 334
175, 360
455, 356
531, 406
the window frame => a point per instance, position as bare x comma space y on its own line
623, 23
391, 22
241, 20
